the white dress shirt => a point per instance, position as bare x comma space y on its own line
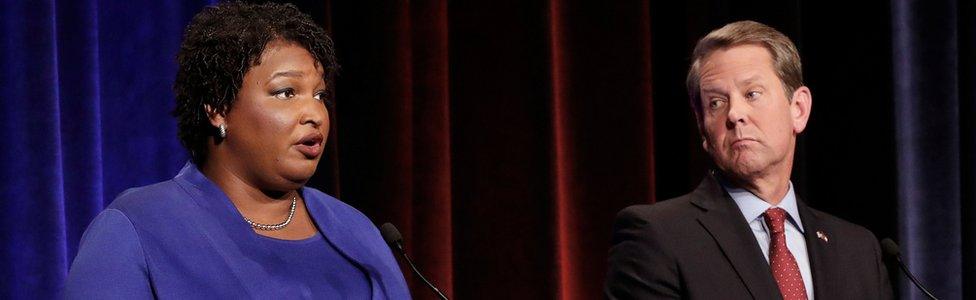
753, 207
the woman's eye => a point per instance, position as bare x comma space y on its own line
321, 96
284, 94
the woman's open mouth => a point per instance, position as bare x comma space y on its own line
310, 145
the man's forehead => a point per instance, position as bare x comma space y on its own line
741, 79
736, 57
737, 65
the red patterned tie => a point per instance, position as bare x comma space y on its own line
785, 270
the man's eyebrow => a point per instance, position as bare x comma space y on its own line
750, 80
712, 90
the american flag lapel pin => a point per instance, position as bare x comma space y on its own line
823, 236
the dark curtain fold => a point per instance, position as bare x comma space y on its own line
933, 59
34, 235
602, 147
394, 98
85, 115
502, 137
967, 133
504, 169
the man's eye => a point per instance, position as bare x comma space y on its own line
715, 103
284, 94
753, 95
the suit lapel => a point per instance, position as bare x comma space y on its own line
724, 222
350, 244
819, 251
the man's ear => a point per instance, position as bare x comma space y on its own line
701, 132
216, 118
800, 108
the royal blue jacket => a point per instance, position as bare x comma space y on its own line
184, 239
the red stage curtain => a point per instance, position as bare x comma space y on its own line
500, 137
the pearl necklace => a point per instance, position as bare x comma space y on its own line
279, 226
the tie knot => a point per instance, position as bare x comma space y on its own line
775, 218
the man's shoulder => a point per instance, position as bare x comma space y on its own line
835, 227
676, 210
671, 206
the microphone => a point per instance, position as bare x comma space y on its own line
890, 250
393, 237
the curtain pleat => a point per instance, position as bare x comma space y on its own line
34, 235
491, 139
80, 117
566, 244
433, 235
966, 18
87, 96
602, 146
934, 98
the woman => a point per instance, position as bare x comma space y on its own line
252, 95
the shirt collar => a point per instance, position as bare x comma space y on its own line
753, 207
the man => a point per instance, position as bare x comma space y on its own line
743, 234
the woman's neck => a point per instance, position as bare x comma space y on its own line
256, 203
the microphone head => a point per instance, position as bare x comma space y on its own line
390, 234
890, 248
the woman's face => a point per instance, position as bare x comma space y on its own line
278, 124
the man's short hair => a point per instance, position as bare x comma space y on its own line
786, 59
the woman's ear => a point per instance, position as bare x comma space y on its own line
216, 118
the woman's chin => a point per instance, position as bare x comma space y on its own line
299, 172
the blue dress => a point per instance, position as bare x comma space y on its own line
184, 239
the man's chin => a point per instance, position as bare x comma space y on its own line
744, 169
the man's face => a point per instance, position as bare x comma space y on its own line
748, 123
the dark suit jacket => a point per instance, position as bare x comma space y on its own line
699, 246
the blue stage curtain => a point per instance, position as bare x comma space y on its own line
87, 91
933, 59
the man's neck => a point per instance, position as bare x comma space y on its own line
771, 188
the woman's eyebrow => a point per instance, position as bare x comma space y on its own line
289, 73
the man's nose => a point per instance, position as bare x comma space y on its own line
738, 112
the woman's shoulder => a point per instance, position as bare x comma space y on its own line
154, 197
342, 211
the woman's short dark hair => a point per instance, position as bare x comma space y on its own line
220, 45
